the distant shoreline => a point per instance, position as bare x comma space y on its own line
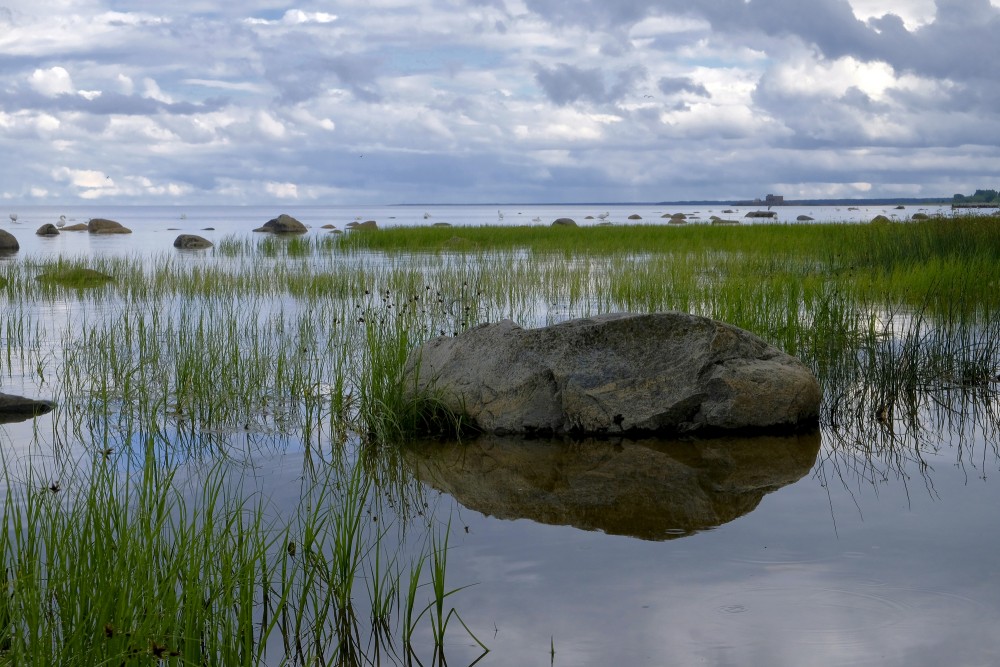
882, 201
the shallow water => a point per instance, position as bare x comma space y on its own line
832, 550
156, 227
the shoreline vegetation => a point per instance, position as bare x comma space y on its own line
137, 531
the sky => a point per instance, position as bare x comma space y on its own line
483, 101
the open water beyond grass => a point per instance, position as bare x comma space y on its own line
226, 477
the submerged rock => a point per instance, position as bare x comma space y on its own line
48, 229
191, 242
564, 222
804, 218
105, 226
76, 277
616, 374
283, 224
651, 489
78, 227
18, 408
359, 226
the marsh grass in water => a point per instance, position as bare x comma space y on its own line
268, 345
126, 565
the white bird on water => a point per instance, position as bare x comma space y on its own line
604, 216
13, 217
62, 221
499, 214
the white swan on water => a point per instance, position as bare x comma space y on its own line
62, 221
13, 217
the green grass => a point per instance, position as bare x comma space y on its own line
266, 345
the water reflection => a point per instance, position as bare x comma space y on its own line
650, 489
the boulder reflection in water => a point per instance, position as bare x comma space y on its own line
650, 489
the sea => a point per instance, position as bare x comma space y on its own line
156, 227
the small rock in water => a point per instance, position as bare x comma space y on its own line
191, 242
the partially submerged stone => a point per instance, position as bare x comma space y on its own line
564, 222
75, 277
283, 224
359, 226
48, 229
105, 226
191, 242
8, 243
633, 374
18, 408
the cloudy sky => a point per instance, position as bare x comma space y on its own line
390, 101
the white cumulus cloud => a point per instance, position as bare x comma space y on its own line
52, 81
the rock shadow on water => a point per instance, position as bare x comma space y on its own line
652, 489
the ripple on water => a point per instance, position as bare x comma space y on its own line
853, 615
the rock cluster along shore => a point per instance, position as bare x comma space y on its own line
664, 373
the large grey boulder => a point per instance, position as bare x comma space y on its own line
18, 408
621, 373
105, 226
283, 224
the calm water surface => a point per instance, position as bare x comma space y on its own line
802, 551
156, 227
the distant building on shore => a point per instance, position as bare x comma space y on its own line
769, 200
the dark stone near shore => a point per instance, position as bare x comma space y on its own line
920, 216
48, 229
880, 220
191, 242
635, 216
761, 214
105, 226
664, 373
18, 408
804, 218
369, 225
78, 227
283, 224
652, 489
564, 222
8, 243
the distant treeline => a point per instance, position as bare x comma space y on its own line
980, 197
